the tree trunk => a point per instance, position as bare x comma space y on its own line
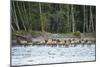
68, 18
25, 16
91, 19
16, 19
30, 28
73, 21
21, 16
86, 16
42, 27
12, 28
84, 24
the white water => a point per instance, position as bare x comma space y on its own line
41, 55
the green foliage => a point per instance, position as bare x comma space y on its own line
20, 33
77, 33
53, 18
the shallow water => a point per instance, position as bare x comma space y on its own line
29, 55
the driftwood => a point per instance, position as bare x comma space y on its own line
20, 36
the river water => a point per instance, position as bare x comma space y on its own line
30, 55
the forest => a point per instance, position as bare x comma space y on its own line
52, 17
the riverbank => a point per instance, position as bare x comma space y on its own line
52, 39
36, 34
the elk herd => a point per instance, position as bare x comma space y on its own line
54, 42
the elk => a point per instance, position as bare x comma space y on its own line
21, 42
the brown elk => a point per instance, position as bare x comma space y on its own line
21, 42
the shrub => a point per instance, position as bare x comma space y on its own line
77, 33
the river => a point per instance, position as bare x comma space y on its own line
31, 55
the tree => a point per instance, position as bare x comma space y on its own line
51, 17
91, 19
73, 21
15, 18
41, 18
84, 25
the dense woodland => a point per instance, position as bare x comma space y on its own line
52, 17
